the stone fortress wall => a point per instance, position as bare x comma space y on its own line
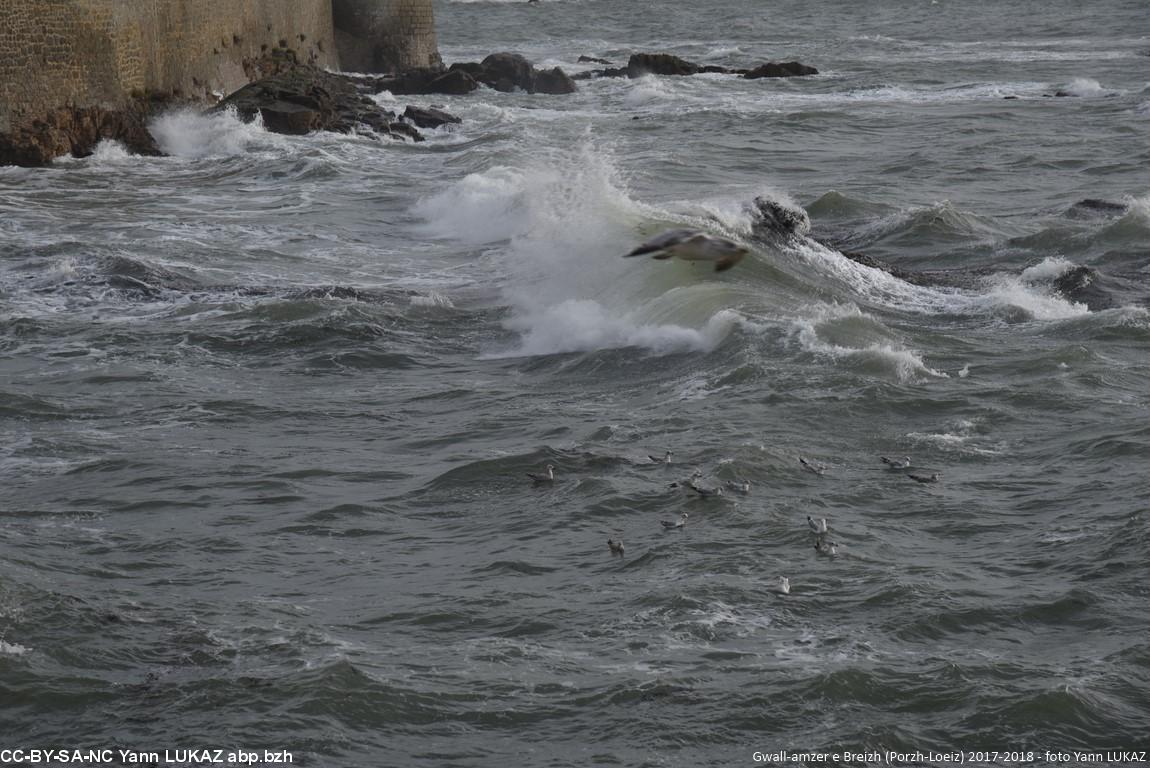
80, 53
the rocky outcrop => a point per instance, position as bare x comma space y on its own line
785, 69
502, 71
303, 99
641, 64
76, 131
659, 64
507, 72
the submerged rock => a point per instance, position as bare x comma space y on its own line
784, 69
667, 64
593, 60
1093, 207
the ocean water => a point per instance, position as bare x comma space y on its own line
268, 405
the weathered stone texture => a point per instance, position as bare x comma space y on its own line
59, 59
99, 52
386, 36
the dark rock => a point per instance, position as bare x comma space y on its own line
402, 130
1083, 285
1064, 94
507, 71
659, 64
553, 81
456, 83
473, 68
76, 132
779, 219
614, 72
1009, 98
1093, 207
429, 117
304, 98
593, 60
784, 69
713, 69
292, 119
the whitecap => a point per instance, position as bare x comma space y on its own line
192, 134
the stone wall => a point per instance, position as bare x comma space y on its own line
385, 35
83, 53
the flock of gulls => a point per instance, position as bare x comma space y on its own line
818, 526
696, 245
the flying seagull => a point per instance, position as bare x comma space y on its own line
693, 245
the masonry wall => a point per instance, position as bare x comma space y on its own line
385, 35
56, 53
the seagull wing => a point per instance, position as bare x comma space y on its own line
662, 241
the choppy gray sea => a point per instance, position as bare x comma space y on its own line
268, 405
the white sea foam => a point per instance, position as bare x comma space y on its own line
1085, 86
13, 649
841, 331
557, 229
482, 207
1032, 293
579, 325
432, 299
191, 134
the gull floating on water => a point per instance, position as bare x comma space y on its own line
783, 587
931, 478
818, 526
903, 463
739, 486
813, 466
665, 460
703, 490
548, 477
689, 481
693, 245
616, 547
824, 547
668, 524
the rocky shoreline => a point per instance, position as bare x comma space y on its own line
297, 98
